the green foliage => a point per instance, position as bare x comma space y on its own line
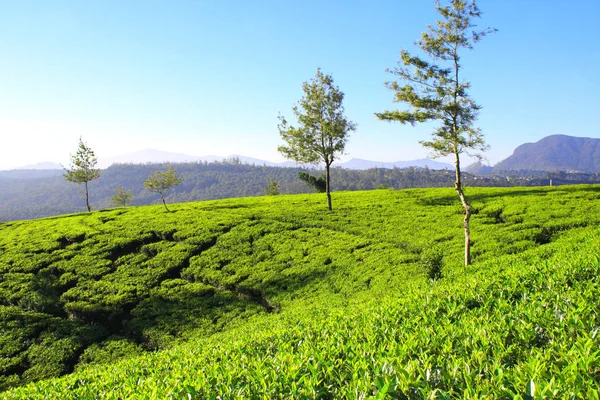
267, 297
121, 197
319, 184
272, 188
108, 351
323, 129
433, 262
83, 169
161, 182
434, 90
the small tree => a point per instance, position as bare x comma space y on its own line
435, 91
161, 182
322, 130
83, 169
121, 198
272, 188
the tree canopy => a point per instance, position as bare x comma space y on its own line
323, 129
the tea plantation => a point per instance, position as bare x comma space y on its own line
276, 298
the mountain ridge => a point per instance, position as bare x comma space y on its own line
551, 153
555, 152
154, 156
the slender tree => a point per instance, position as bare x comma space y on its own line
436, 91
83, 169
160, 182
322, 130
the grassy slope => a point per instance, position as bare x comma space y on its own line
511, 323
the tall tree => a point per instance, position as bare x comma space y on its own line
160, 182
436, 91
83, 169
322, 130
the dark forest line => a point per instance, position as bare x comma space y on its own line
35, 194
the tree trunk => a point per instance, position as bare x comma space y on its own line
87, 198
467, 207
327, 186
164, 202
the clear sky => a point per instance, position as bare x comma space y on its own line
210, 77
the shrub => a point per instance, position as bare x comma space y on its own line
433, 263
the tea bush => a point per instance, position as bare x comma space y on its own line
274, 297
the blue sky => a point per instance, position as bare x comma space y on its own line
210, 77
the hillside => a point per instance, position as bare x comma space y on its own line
27, 194
34, 194
273, 297
555, 153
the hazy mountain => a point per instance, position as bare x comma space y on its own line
478, 168
152, 156
42, 165
294, 164
30, 173
357, 163
158, 156
252, 161
556, 152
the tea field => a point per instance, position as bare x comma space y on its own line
274, 297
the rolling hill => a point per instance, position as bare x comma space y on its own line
273, 297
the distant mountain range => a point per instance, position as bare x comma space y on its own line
42, 165
153, 156
552, 153
478, 168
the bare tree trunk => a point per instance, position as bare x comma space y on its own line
467, 207
87, 198
164, 202
327, 186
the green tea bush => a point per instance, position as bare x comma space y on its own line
270, 297
109, 351
433, 263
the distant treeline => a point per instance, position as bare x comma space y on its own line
34, 194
